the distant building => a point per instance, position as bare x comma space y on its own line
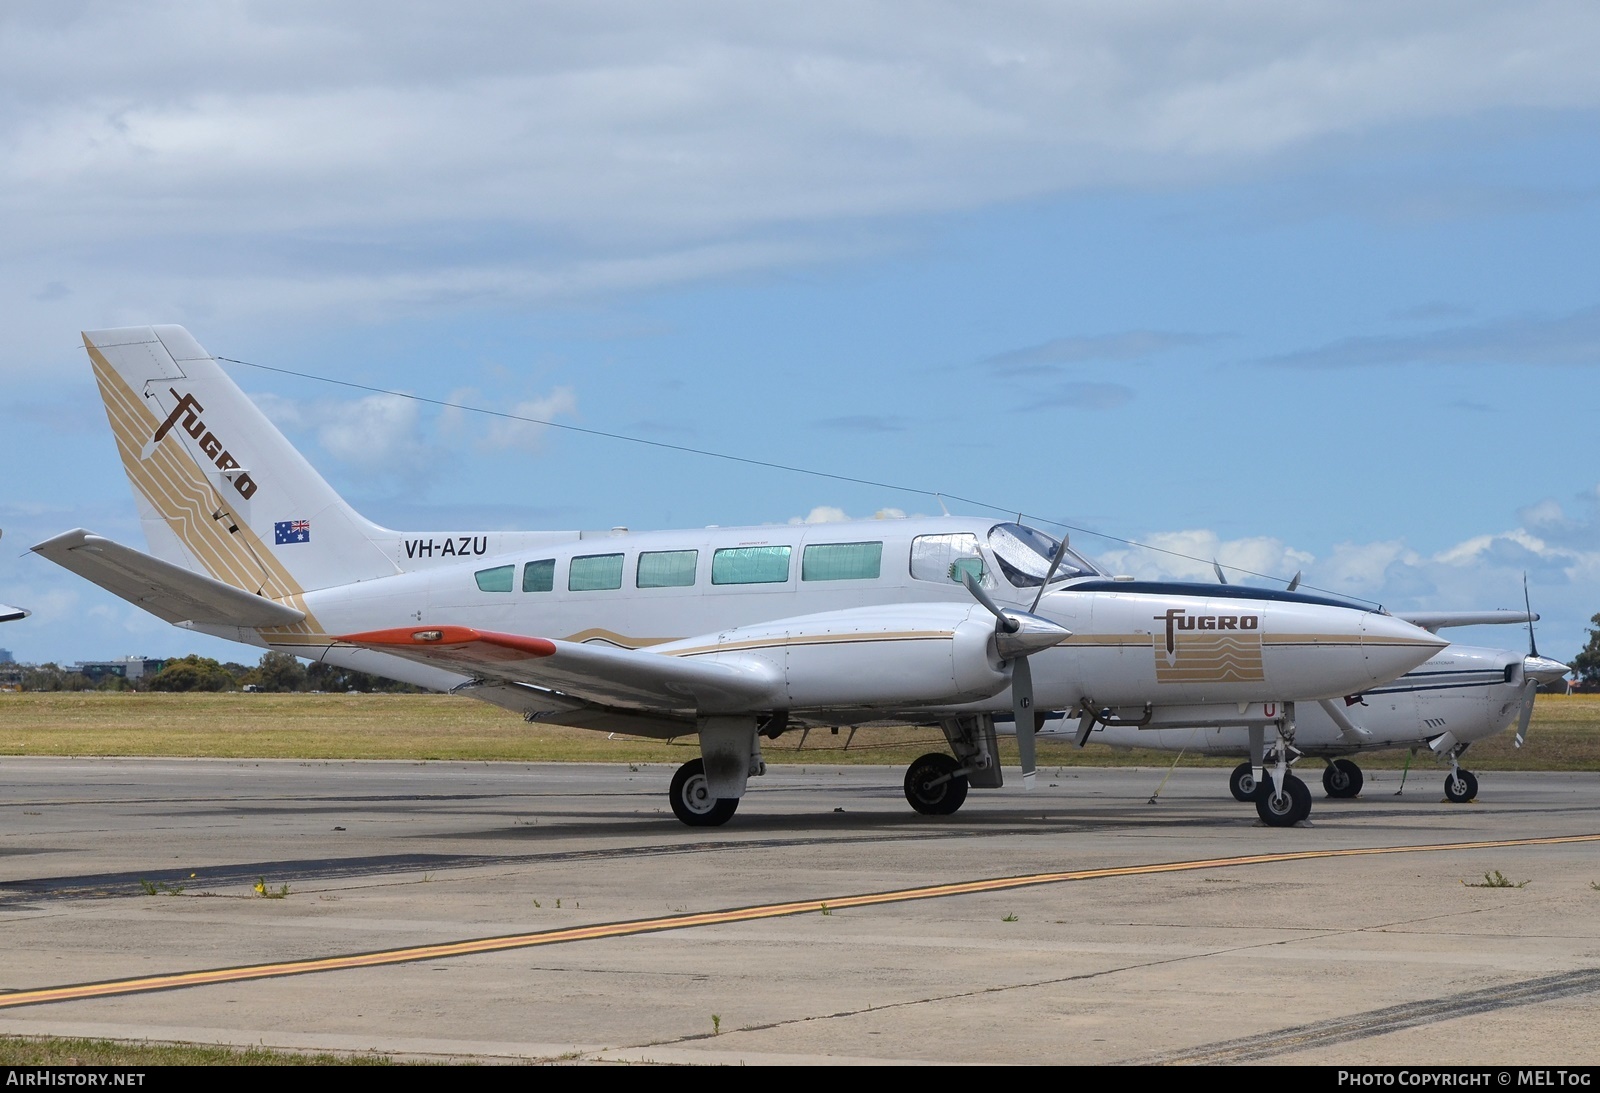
6, 657
130, 668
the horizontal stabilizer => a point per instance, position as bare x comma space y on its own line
169, 592
1431, 621
603, 674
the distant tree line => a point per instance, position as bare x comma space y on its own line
1586, 665
277, 673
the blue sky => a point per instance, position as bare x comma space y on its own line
1294, 286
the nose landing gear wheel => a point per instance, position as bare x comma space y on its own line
1342, 778
1287, 808
935, 800
692, 801
1461, 786
1242, 783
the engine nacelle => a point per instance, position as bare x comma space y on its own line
883, 657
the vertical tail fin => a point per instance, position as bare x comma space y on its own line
220, 489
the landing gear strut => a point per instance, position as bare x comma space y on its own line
1342, 778
1282, 799
692, 801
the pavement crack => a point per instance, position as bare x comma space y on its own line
1378, 1022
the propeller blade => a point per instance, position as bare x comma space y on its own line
1528, 691
1022, 709
1220, 578
1003, 623
1533, 650
1055, 564
1294, 584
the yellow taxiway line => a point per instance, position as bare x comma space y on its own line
113, 987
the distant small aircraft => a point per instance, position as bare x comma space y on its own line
731, 634
12, 614
1461, 695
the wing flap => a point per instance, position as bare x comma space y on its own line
602, 674
169, 592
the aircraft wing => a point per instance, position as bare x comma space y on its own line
12, 614
600, 674
168, 591
1431, 621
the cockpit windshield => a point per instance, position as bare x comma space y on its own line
1025, 555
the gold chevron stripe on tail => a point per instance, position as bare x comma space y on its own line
172, 483
1209, 658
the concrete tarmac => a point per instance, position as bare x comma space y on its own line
1344, 958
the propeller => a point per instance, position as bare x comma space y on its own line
1294, 584
1535, 669
1017, 636
1218, 570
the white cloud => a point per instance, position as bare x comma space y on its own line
285, 158
525, 435
383, 438
1187, 556
832, 514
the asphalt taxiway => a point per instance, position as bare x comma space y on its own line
547, 912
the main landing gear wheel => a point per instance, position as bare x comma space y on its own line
1461, 787
1242, 783
1284, 809
1342, 778
692, 801
935, 800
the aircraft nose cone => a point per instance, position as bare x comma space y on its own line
1393, 647
1544, 669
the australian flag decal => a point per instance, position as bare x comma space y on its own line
291, 531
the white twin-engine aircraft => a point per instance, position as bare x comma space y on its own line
1461, 695
733, 634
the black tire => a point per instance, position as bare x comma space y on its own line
1285, 809
1461, 789
1342, 778
692, 801
940, 800
1242, 783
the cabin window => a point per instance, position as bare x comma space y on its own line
539, 576
667, 568
497, 579
594, 572
841, 562
750, 565
946, 557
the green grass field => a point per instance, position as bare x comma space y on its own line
1565, 734
58, 1051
